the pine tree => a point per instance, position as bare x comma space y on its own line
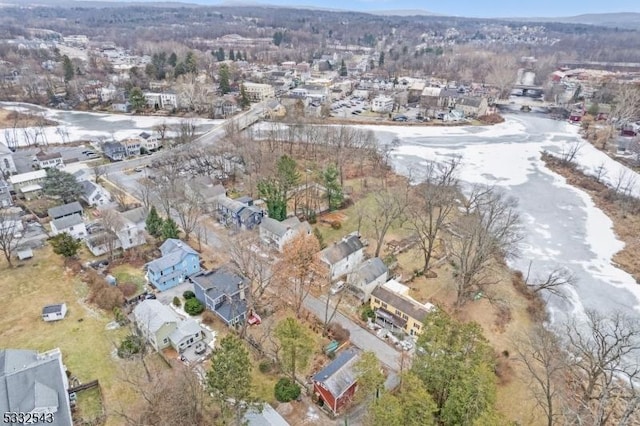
223, 76
65, 245
137, 99
191, 63
173, 59
67, 66
229, 379
154, 223
220, 54
296, 345
244, 98
335, 197
343, 69
170, 229
232, 56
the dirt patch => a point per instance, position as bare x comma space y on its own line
13, 119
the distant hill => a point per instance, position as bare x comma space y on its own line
403, 12
626, 20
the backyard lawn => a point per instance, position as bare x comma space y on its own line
129, 274
87, 346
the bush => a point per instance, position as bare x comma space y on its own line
338, 332
367, 313
130, 346
208, 317
177, 302
285, 390
188, 295
265, 367
193, 307
128, 289
336, 224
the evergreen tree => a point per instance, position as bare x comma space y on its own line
335, 197
343, 69
288, 175
244, 98
456, 366
220, 54
271, 191
65, 245
411, 406
173, 59
223, 76
137, 99
296, 345
154, 223
229, 379
232, 55
381, 59
191, 63
61, 184
179, 70
67, 66
170, 229
278, 36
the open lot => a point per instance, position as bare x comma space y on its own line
87, 346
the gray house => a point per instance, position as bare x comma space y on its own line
115, 151
370, 274
65, 210
162, 328
238, 213
5, 195
223, 292
35, 382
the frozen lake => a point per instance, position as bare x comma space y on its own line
561, 224
77, 125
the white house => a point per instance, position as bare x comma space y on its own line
278, 233
259, 92
54, 312
148, 141
367, 276
46, 160
166, 100
72, 225
382, 104
343, 257
94, 194
127, 232
28, 184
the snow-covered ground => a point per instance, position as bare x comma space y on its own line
75, 126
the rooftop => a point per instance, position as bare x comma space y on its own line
67, 222
403, 303
152, 315
65, 210
336, 252
339, 375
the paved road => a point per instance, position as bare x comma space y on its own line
361, 338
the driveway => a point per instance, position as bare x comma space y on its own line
166, 297
362, 339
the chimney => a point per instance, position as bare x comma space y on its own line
242, 294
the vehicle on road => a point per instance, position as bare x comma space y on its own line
138, 169
337, 287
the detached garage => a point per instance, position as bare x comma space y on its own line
54, 312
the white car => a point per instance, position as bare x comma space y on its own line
337, 287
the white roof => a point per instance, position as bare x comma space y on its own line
396, 287
26, 177
31, 188
152, 315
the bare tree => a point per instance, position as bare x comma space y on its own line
99, 172
502, 74
545, 365
299, 269
604, 368
600, 172
491, 231
188, 208
569, 152
388, 210
554, 282
10, 234
626, 105
144, 190
120, 197
624, 182
112, 223
434, 203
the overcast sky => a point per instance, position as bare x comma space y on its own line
470, 8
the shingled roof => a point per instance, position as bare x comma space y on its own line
336, 252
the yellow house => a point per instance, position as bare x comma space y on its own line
399, 311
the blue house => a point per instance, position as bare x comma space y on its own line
178, 262
223, 292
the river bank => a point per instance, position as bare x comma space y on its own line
17, 120
624, 211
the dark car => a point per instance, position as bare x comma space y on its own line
150, 296
200, 348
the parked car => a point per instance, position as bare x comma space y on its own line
138, 169
200, 348
337, 287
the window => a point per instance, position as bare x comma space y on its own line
398, 313
416, 326
166, 340
384, 305
405, 317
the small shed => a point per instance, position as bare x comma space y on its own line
54, 312
335, 384
25, 254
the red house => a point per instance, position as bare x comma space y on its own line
335, 384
